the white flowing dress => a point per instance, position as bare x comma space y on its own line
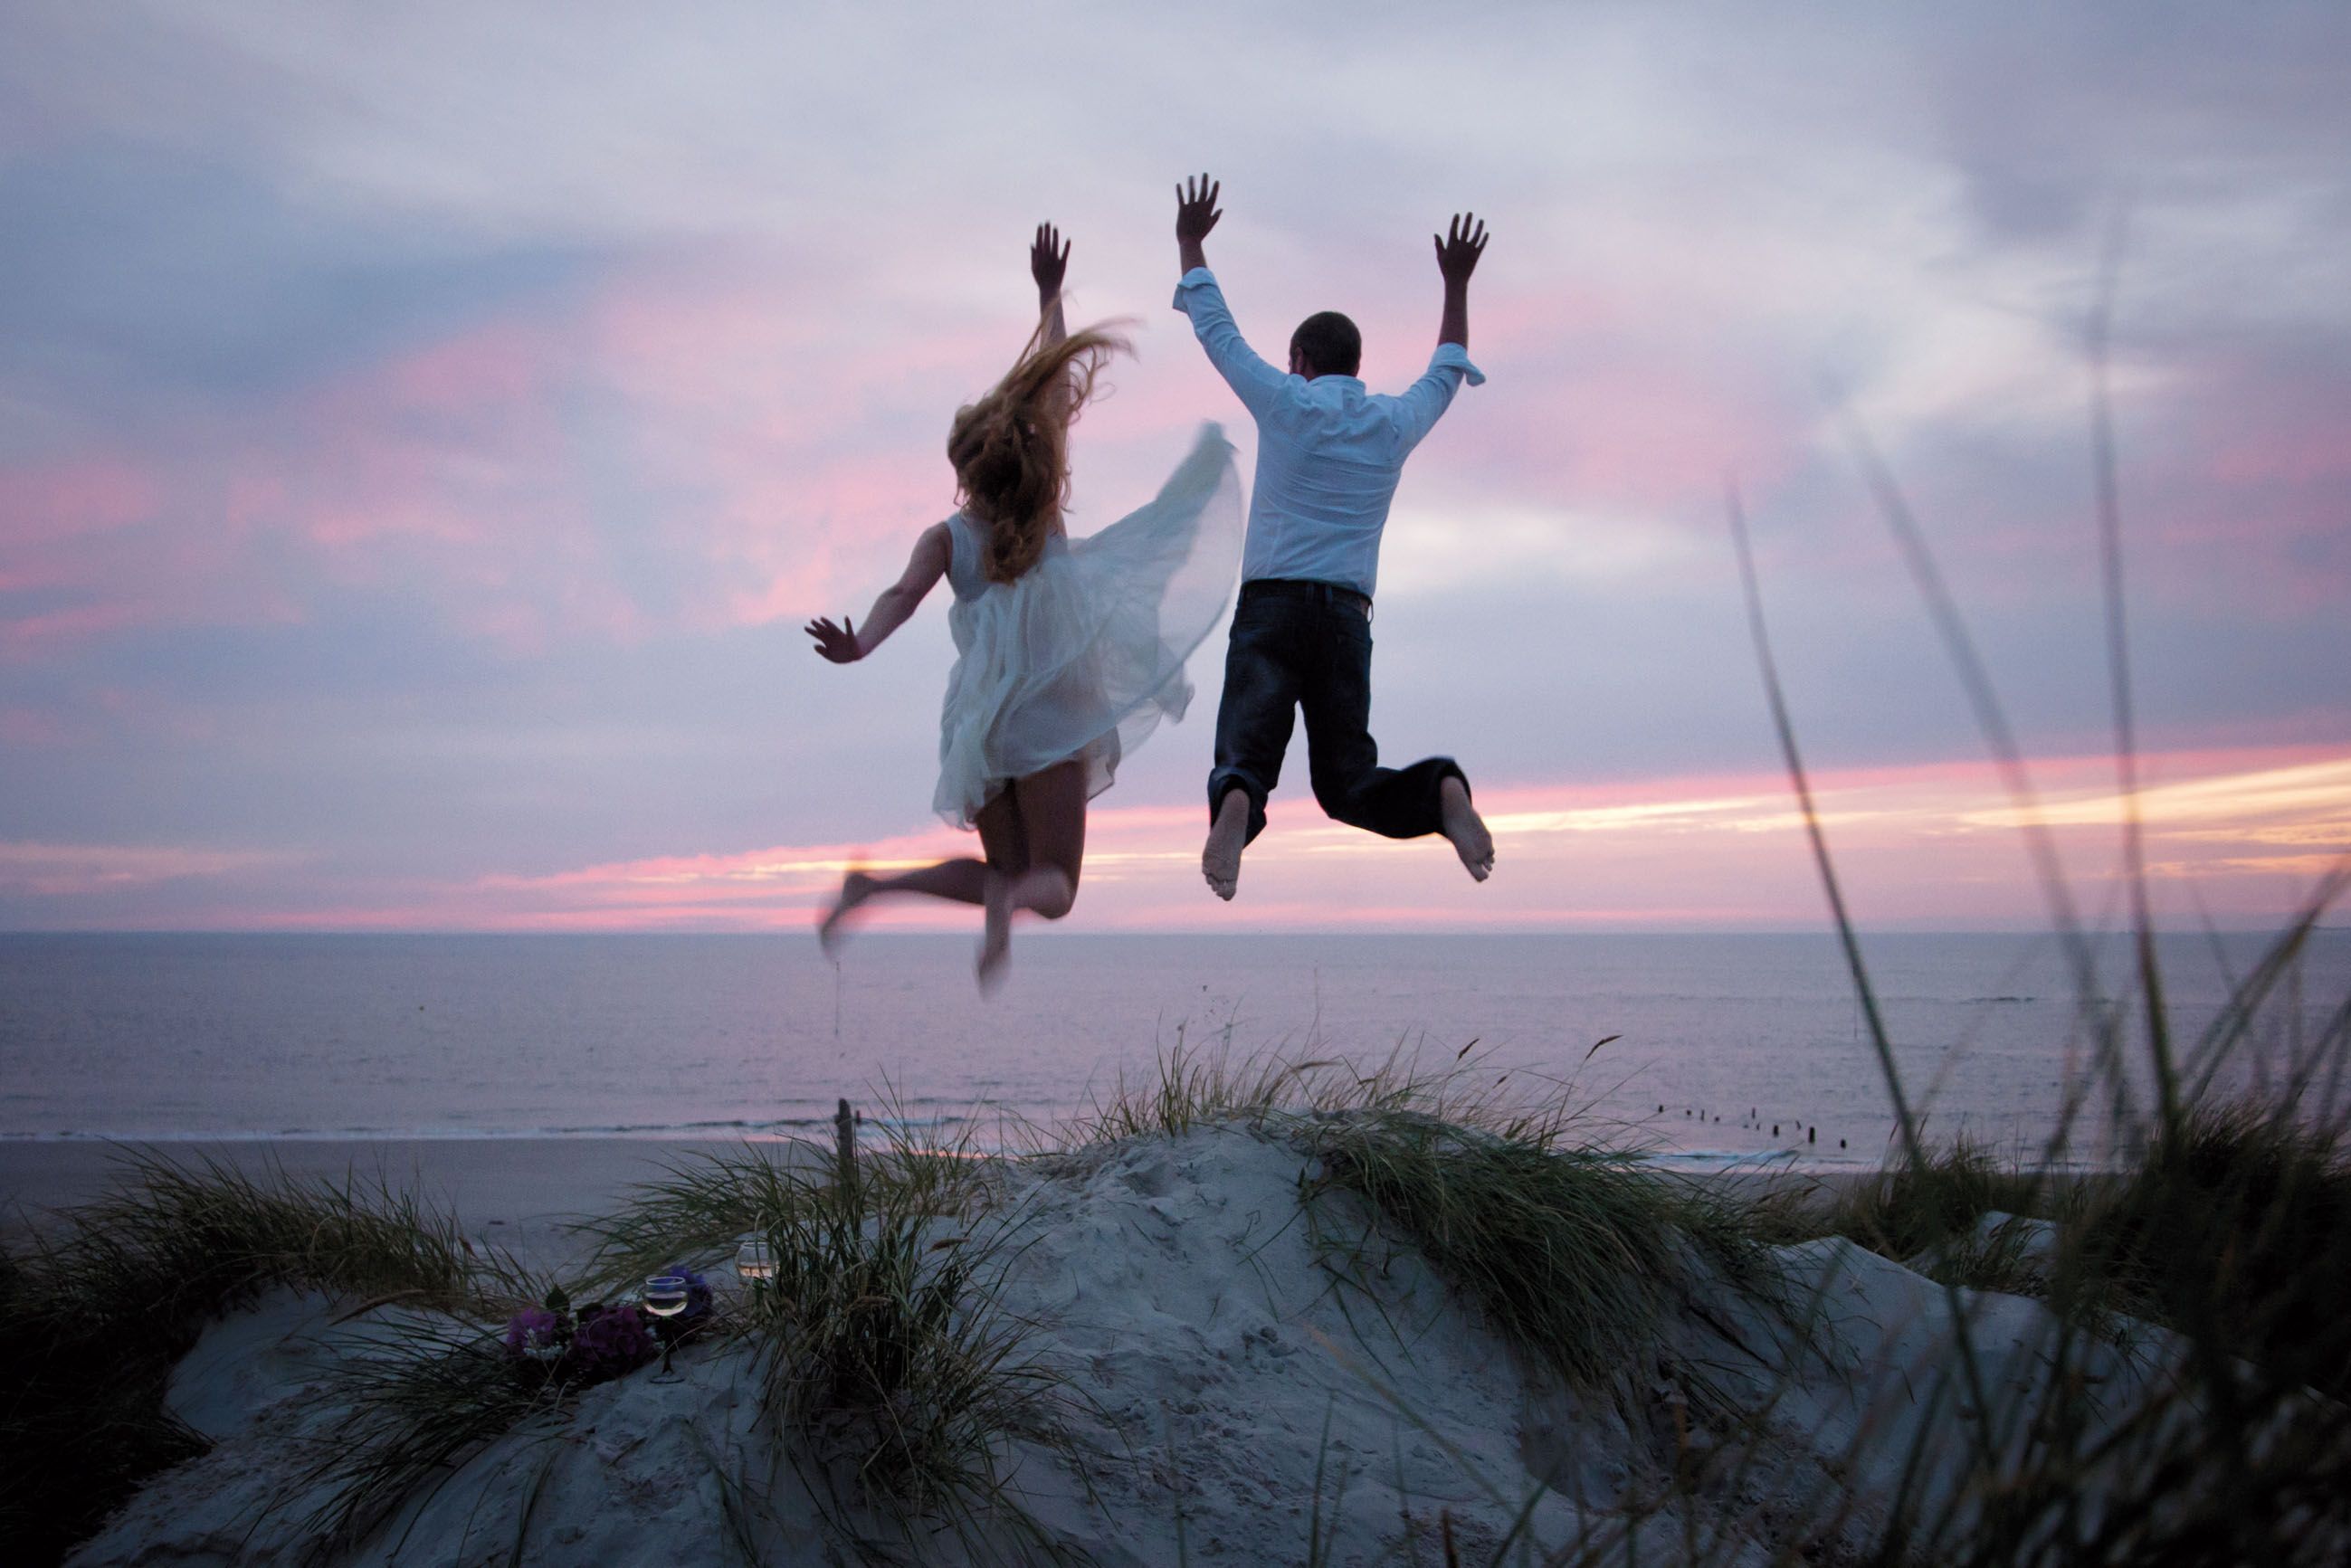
1084, 654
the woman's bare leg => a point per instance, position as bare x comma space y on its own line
1053, 818
1006, 837
959, 881
1002, 837
1053, 813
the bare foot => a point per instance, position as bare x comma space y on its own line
1220, 859
1461, 824
855, 889
996, 935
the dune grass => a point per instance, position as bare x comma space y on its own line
81, 1416
2236, 1228
180, 1242
1191, 1086
1575, 1253
105, 1304
890, 1380
1917, 1203
696, 1213
2229, 1227
894, 1379
1997, 1258
700, 1209
1929, 1212
1548, 1215
419, 1406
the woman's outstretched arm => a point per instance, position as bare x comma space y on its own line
844, 644
1049, 263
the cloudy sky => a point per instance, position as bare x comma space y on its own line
422, 431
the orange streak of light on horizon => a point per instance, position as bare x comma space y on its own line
1735, 843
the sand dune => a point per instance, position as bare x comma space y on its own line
1244, 1378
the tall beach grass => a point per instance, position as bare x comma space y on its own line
2226, 1221
103, 1304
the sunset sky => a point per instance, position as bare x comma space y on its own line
424, 429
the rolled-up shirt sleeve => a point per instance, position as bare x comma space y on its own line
1253, 380
1424, 403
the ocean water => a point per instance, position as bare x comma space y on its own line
1718, 1047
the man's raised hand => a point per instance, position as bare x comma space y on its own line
1458, 249
1196, 215
838, 643
1195, 209
1049, 260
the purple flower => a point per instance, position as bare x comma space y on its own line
610, 1341
533, 1328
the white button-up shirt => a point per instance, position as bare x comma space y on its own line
1329, 454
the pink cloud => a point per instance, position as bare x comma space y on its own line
82, 621
773, 461
814, 441
83, 494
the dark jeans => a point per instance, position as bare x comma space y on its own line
1309, 644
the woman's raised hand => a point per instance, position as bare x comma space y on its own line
1049, 260
838, 643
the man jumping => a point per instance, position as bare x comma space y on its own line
1329, 455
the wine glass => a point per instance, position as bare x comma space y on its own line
755, 1260
665, 1297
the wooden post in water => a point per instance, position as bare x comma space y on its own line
844, 1126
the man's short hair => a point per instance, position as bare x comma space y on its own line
1328, 343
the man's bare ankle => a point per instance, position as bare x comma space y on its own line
1465, 828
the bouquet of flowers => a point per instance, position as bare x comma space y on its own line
610, 1341
599, 1341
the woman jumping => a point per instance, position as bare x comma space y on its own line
1069, 652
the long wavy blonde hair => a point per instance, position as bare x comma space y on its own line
1011, 447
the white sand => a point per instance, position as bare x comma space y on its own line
1179, 1286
